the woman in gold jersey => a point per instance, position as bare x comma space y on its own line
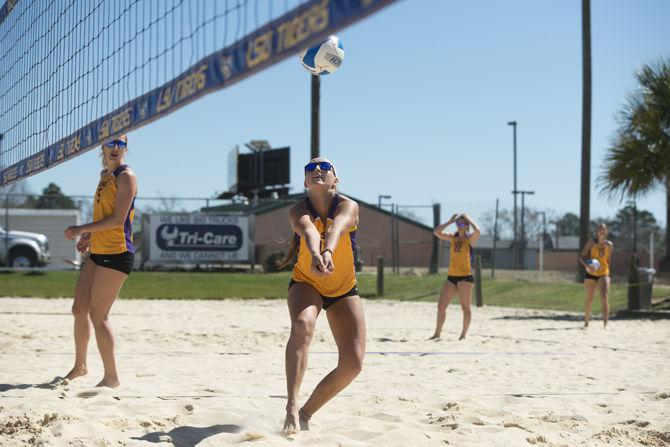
601, 250
109, 240
459, 277
324, 277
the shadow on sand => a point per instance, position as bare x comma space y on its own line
551, 317
55, 383
189, 436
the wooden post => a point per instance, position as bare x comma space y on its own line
495, 243
380, 275
434, 256
478, 281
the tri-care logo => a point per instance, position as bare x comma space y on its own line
184, 237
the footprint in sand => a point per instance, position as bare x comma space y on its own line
534, 440
88, 394
55, 383
515, 425
474, 420
252, 437
636, 423
386, 417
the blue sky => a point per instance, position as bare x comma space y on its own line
419, 108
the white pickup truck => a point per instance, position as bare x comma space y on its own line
23, 249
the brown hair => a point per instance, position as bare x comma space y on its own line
292, 254
294, 244
467, 225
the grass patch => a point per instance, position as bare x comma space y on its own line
558, 295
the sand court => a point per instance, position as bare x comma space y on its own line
212, 373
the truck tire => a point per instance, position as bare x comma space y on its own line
22, 257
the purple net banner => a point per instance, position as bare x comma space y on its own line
286, 36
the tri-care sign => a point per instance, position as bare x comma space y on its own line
199, 238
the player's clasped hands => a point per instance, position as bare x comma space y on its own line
322, 264
327, 257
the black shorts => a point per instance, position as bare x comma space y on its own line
329, 300
123, 262
456, 279
593, 277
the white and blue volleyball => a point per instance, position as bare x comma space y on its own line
324, 58
593, 264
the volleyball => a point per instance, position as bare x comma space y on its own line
593, 264
324, 58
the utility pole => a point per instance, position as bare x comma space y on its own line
514, 192
585, 193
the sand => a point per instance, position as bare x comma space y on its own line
211, 373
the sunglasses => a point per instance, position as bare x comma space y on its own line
116, 143
461, 224
324, 165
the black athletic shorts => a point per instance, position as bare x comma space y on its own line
593, 277
456, 279
329, 300
123, 262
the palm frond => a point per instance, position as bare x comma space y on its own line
639, 156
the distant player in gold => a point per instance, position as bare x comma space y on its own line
459, 277
597, 274
323, 278
110, 241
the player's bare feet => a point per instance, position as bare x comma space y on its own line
462, 337
304, 420
111, 383
435, 337
292, 421
77, 371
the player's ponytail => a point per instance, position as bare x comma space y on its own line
292, 254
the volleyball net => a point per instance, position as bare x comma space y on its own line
74, 74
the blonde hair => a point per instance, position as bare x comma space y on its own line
294, 243
102, 152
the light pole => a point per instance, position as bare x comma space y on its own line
316, 104
379, 199
515, 192
544, 235
523, 228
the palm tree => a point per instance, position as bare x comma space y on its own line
639, 158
